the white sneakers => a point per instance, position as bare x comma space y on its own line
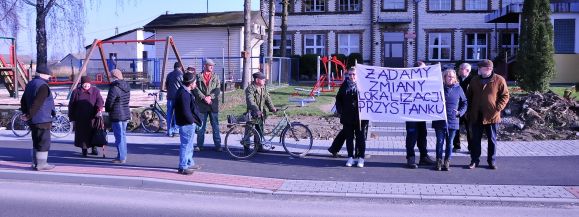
360, 162
351, 162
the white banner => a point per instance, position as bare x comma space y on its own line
400, 94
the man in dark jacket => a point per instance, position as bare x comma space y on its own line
464, 79
37, 106
207, 94
347, 108
416, 135
188, 118
490, 95
257, 99
117, 105
173, 83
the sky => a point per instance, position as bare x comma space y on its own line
103, 16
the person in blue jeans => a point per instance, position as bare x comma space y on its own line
173, 83
188, 118
207, 95
117, 105
456, 105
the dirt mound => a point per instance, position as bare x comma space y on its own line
537, 116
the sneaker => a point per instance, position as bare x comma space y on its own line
360, 162
425, 161
438, 165
350, 162
117, 161
446, 165
185, 171
196, 149
410, 163
472, 165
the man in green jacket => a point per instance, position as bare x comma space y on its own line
207, 97
257, 99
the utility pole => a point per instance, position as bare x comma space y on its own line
246, 54
270, 36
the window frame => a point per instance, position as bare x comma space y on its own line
404, 9
349, 4
323, 46
467, 46
511, 47
314, 3
430, 46
488, 6
429, 9
289, 45
349, 47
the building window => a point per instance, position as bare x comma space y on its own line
564, 31
476, 46
476, 5
394, 4
510, 43
349, 5
314, 5
277, 44
348, 43
439, 46
315, 44
439, 5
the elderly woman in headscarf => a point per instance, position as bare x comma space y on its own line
86, 104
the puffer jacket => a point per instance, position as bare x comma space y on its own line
456, 105
117, 103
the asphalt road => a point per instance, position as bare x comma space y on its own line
512, 170
63, 200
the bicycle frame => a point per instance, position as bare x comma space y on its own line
277, 130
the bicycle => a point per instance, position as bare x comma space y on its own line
61, 126
295, 137
153, 118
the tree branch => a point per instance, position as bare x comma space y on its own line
8, 12
29, 3
48, 7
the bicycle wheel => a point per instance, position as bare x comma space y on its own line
61, 126
19, 127
240, 141
297, 140
150, 120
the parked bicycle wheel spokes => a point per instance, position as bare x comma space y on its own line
61, 126
150, 120
297, 140
19, 127
241, 141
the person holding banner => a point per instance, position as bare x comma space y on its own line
456, 104
416, 134
490, 95
464, 77
347, 108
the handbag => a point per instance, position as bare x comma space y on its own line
99, 138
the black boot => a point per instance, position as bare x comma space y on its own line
84, 152
411, 163
425, 161
95, 151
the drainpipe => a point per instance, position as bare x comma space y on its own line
416, 30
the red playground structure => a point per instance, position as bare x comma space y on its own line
333, 80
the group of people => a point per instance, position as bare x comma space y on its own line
472, 101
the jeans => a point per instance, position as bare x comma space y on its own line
186, 136
119, 130
214, 118
171, 125
444, 135
416, 133
491, 132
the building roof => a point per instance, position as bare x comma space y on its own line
77, 56
119, 35
193, 20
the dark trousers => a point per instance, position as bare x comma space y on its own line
416, 134
40, 138
357, 131
464, 124
338, 142
491, 132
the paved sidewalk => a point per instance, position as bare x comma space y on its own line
388, 146
513, 193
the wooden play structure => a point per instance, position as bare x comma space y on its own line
169, 42
12, 71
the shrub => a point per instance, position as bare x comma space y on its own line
308, 67
352, 58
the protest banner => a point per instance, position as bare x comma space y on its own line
400, 94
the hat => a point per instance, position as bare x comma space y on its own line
190, 69
258, 75
44, 70
485, 63
117, 74
188, 78
85, 79
209, 62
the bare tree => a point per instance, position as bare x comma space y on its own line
246, 43
284, 14
270, 34
58, 21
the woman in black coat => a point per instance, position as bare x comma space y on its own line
347, 108
86, 104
